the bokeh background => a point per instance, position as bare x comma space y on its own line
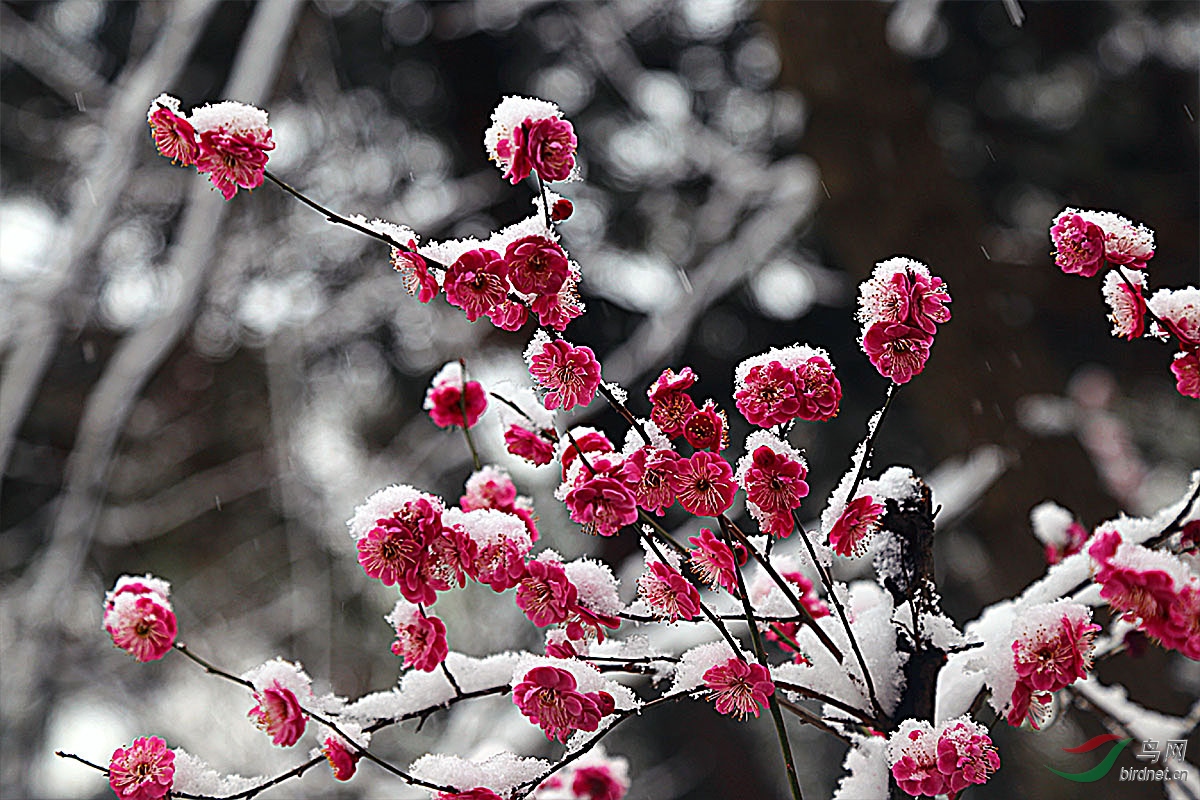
205, 390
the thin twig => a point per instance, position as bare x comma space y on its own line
785, 746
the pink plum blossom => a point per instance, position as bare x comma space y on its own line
707, 428
603, 503
714, 562
648, 472
450, 402
738, 687
854, 526
670, 404
545, 145
526, 444
703, 484
477, 282
549, 698
279, 714
342, 759
1052, 647
413, 269
420, 639
668, 594
571, 374
545, 594
898, 351
145, 770
173, 134
1127, 307
769, 395
234, 139
1186, 369
775, 484
536, 265
1078, 244
820, 390
138, 617
597, 782
395, 550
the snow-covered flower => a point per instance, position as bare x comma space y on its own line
1078, 244
527, 134
670, 404
1056, 528
928, 761
278, 713
536, 265
145, 770
1124, 242
1186, 369
648, 472
545, 594
420, 639
233, 139
395, 549
570, 374
903, 290
1179, 309
896, 350
738, 687
602, 502
138, 617
773, 476
549, 698
1051, 649
174, 136
1127, 307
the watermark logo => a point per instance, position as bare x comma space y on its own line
1175, 749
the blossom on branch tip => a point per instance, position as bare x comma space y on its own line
529, 135
234, 139
570, 374
420, 639
395, 550
926, 761
138, 617
707, 428
775, 484
1051, 649
145, 770
1186, 369
738, 687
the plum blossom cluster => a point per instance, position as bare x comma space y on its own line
900, 307
228, 141
1085, 242
138, 617
926, 761
1153, 589
849, 662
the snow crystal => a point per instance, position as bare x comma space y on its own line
1050, 522
166, 101
619, 394
423, 690
689, 672
399, 233
194, 776
288, 675
940, 631
866, 769
596, 584
634, 440
156, 585
500, 773
234, 117
791, 356
383, 504
896, 483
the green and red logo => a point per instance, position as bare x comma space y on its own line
1100, 770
